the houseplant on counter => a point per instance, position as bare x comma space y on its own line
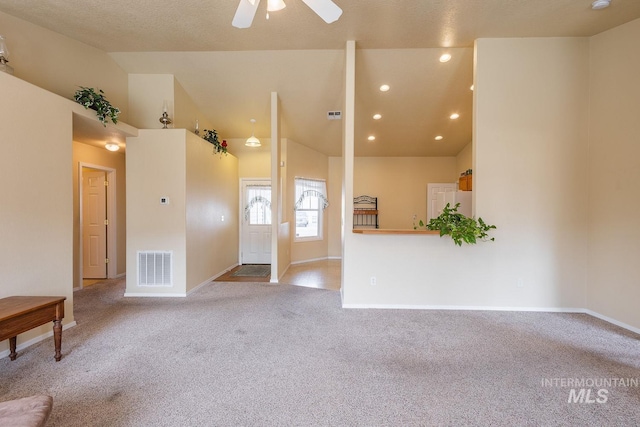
461, 228
211, 136
96, 101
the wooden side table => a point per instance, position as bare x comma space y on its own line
19, 314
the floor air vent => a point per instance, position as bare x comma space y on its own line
154, 268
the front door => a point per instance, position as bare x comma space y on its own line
256, 222
94, 228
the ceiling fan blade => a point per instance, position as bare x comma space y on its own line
325, 9
245, 13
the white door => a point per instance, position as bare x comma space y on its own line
432, 196
94, 229
256, 222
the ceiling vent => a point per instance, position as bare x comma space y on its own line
334, 115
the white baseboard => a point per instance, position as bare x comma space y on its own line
155, 295
480, 308
463, 308
304, 261
37, 339
119, 276
613, 321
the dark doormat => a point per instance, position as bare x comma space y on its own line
253, 270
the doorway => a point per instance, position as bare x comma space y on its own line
97, 246
255, 220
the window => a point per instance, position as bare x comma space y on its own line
311, 199
258, 204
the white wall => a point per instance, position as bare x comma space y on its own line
614, 174
530, 117
36, 213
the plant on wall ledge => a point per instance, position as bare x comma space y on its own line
96, 101
461, 228
211, 136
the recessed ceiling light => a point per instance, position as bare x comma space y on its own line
384, 88
600, 4
371, 138
112, 146
439, 138
445, 58
454, 116
377, 116
471, 87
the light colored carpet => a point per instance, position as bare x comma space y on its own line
253, 270
247, 354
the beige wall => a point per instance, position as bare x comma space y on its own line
212, 192
147, 96
156, 167
36, 213
464, 159
530, 116
614, 174
304, 162
60, 64
334, 219
96, 156
400, 184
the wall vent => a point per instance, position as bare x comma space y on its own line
334, 115
155, 268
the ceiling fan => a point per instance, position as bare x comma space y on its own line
325, 9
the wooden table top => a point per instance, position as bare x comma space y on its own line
17, 305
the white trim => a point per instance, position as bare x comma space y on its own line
464, 308
168, 295
37, 339
613, 321
482, 308
304, 261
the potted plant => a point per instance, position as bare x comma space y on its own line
211, 136
461, 228
96, 101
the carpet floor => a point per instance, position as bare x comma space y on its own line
254, 354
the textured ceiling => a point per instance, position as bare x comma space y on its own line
230, 72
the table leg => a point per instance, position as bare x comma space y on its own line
57, 338
12, 348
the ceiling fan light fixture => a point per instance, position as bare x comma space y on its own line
275, 5
600, 4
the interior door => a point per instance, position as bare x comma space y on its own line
432, 196
94, 229
256, 222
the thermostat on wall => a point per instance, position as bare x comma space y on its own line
164, 200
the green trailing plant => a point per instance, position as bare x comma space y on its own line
211, 136
91, 99
461, 228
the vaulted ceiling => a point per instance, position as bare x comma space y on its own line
230, 72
